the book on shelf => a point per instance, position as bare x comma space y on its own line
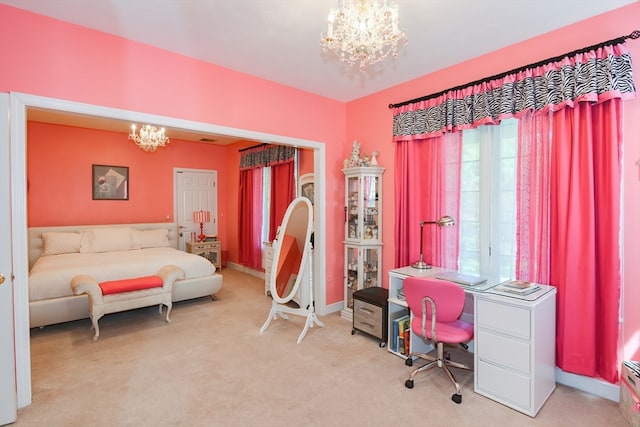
399, 326
407, 338
403, 335
519, 287
394, 334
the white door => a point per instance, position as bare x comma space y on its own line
8, 393
195, 190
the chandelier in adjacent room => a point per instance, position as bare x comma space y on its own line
149, 138
363, 31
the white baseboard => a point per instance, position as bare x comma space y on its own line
594, 386
244, 269
335, 307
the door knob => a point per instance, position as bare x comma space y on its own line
1, 278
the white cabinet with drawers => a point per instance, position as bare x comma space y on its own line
514, 350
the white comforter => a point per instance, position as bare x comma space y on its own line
51, 275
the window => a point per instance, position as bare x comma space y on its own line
266, 203
267, 199
488, 200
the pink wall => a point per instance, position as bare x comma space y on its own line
55, 59
369, 121
59, 160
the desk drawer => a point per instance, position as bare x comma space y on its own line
493, 315
367, 318
504, 351
503, 384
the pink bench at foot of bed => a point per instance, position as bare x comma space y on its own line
127, 294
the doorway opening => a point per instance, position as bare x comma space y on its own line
21, 104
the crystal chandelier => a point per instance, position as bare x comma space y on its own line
363, 31
149, 138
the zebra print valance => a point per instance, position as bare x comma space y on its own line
592, 74
266, 155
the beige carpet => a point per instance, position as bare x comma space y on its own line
211, 367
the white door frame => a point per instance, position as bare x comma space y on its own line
20, 102
176, 171
8, 392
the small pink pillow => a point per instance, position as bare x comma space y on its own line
128, 285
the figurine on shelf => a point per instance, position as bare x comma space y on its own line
354, 160
358, 159
374, 158
368, 232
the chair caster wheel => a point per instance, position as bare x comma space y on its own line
382, 344
408, 383
456, 398
408, 361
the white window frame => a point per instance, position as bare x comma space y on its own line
489, 261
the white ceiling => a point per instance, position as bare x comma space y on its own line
278, 40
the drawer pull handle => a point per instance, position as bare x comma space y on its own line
369, 325
368, 310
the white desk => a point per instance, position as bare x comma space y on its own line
514, 340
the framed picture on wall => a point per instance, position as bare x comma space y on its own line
306, 186
110, 182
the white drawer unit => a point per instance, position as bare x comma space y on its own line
514, 351
267, 260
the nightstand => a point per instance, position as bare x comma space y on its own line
211, 250
370, 310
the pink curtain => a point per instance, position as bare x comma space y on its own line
250, 218
282, 193
585, 233
419, 197
533, 197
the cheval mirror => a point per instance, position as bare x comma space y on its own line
292, 266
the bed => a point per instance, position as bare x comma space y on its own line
106, 252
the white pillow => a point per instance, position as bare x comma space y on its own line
151, 238
55, 243
106, 240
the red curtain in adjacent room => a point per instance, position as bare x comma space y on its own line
419, 197
250, 200
282, 193
250, 218
585, 235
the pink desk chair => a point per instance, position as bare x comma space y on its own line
436, 306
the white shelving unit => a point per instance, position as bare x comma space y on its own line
362, 231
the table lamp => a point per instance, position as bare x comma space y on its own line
201, 217
445, 221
